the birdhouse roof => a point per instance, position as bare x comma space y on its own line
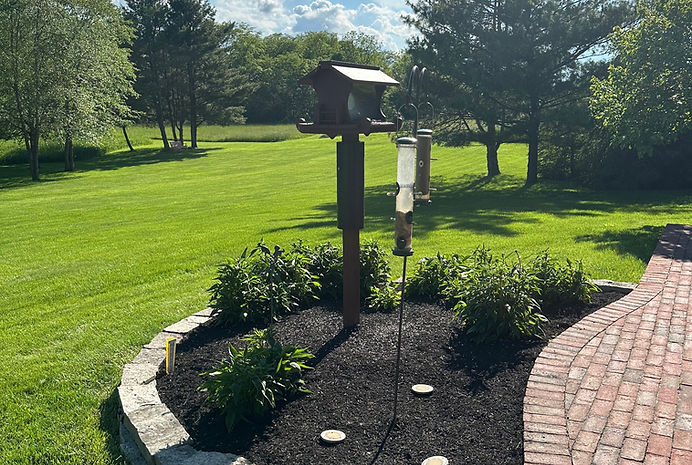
352, 71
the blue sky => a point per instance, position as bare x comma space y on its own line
379, 18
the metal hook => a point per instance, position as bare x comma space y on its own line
415, 119
412, 75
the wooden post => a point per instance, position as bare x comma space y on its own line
350, 185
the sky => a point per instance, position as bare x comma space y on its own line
378, 18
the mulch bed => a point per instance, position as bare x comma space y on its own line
474, 415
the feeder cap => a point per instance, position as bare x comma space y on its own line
425, 132
332, 436
436, 460
406, 141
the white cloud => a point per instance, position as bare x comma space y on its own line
266, 16
384, 23
322, 15
381, 19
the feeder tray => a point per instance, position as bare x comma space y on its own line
422, 389
332, 436
436, 460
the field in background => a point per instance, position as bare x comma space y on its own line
96, 262
13, 152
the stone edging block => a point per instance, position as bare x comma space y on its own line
146, 424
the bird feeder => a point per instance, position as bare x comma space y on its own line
349, 99
405, 178
349, 103
424, 147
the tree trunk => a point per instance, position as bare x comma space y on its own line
127, 139
193, 106
171, 115
534, 124
69, 152
491, 146
162, 126
180, 133
33, 154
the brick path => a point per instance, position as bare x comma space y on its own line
616, 388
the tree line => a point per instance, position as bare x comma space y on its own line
575, 79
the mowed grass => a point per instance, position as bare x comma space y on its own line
94, 263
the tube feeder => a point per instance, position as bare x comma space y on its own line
349, 103
405, 178
423, 149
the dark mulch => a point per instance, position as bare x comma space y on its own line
473, 417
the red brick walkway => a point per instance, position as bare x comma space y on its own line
616, 388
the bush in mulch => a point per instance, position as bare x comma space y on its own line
493, 299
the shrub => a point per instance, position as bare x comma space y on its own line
494, 299
432, 275
374, 269
325, 263
261, 285
248, 384
560, 284
385, 298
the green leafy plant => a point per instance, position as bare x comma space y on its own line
494, 299
262, 285
385, 298
251, 382
374, 268
432, 274
325, 263
560, 284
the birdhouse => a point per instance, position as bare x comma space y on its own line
349, 99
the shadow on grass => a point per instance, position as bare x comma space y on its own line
637, 242
495, 206
14, 176
108, 423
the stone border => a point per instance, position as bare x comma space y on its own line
150, 433
606, 285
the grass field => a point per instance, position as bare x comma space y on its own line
94, 263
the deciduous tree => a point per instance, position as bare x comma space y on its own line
644, 102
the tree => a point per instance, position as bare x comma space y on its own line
149, 54
462, 42
550, 38
31, 69
62, 71
513, 57
644, 102
97, 77
185, 67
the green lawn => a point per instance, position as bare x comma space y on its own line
94, 263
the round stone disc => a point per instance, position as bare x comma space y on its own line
422, 389
332, 436
436, 460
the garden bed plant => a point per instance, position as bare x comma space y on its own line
472, 328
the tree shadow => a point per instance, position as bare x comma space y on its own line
496, 205
637, 242
18, 176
